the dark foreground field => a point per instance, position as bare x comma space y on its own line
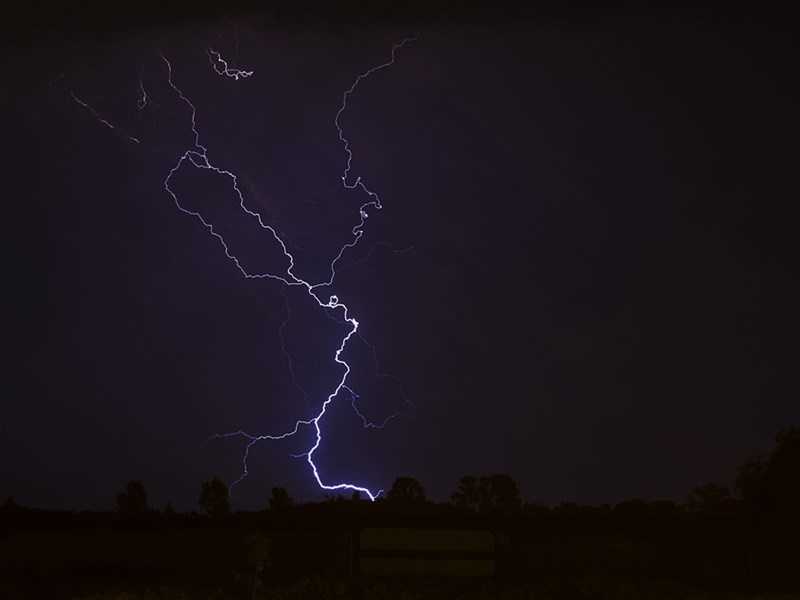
637, 551
323, 589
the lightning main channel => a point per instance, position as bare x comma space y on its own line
197, 157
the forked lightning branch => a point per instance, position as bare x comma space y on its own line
197, 157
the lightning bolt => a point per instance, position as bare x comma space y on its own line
197, 157
220, 66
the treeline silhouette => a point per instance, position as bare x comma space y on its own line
742, 537
766, 488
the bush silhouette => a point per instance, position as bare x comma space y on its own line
280, 499
406, 490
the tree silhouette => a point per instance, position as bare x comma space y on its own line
214, 498
782, 478
406, 490
468, 493
499, 493
750, 485
10, 505
133, 501
280, 499
771, 486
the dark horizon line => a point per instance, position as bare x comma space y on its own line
381, 500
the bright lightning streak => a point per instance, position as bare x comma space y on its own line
198, 158
378, 372
220, 65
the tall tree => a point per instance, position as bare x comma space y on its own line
771, 485
750, 484
468, 494
10, 505
214, 498
133, 501
169, 511
499, 493
783, 472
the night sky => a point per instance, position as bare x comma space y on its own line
581, 274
